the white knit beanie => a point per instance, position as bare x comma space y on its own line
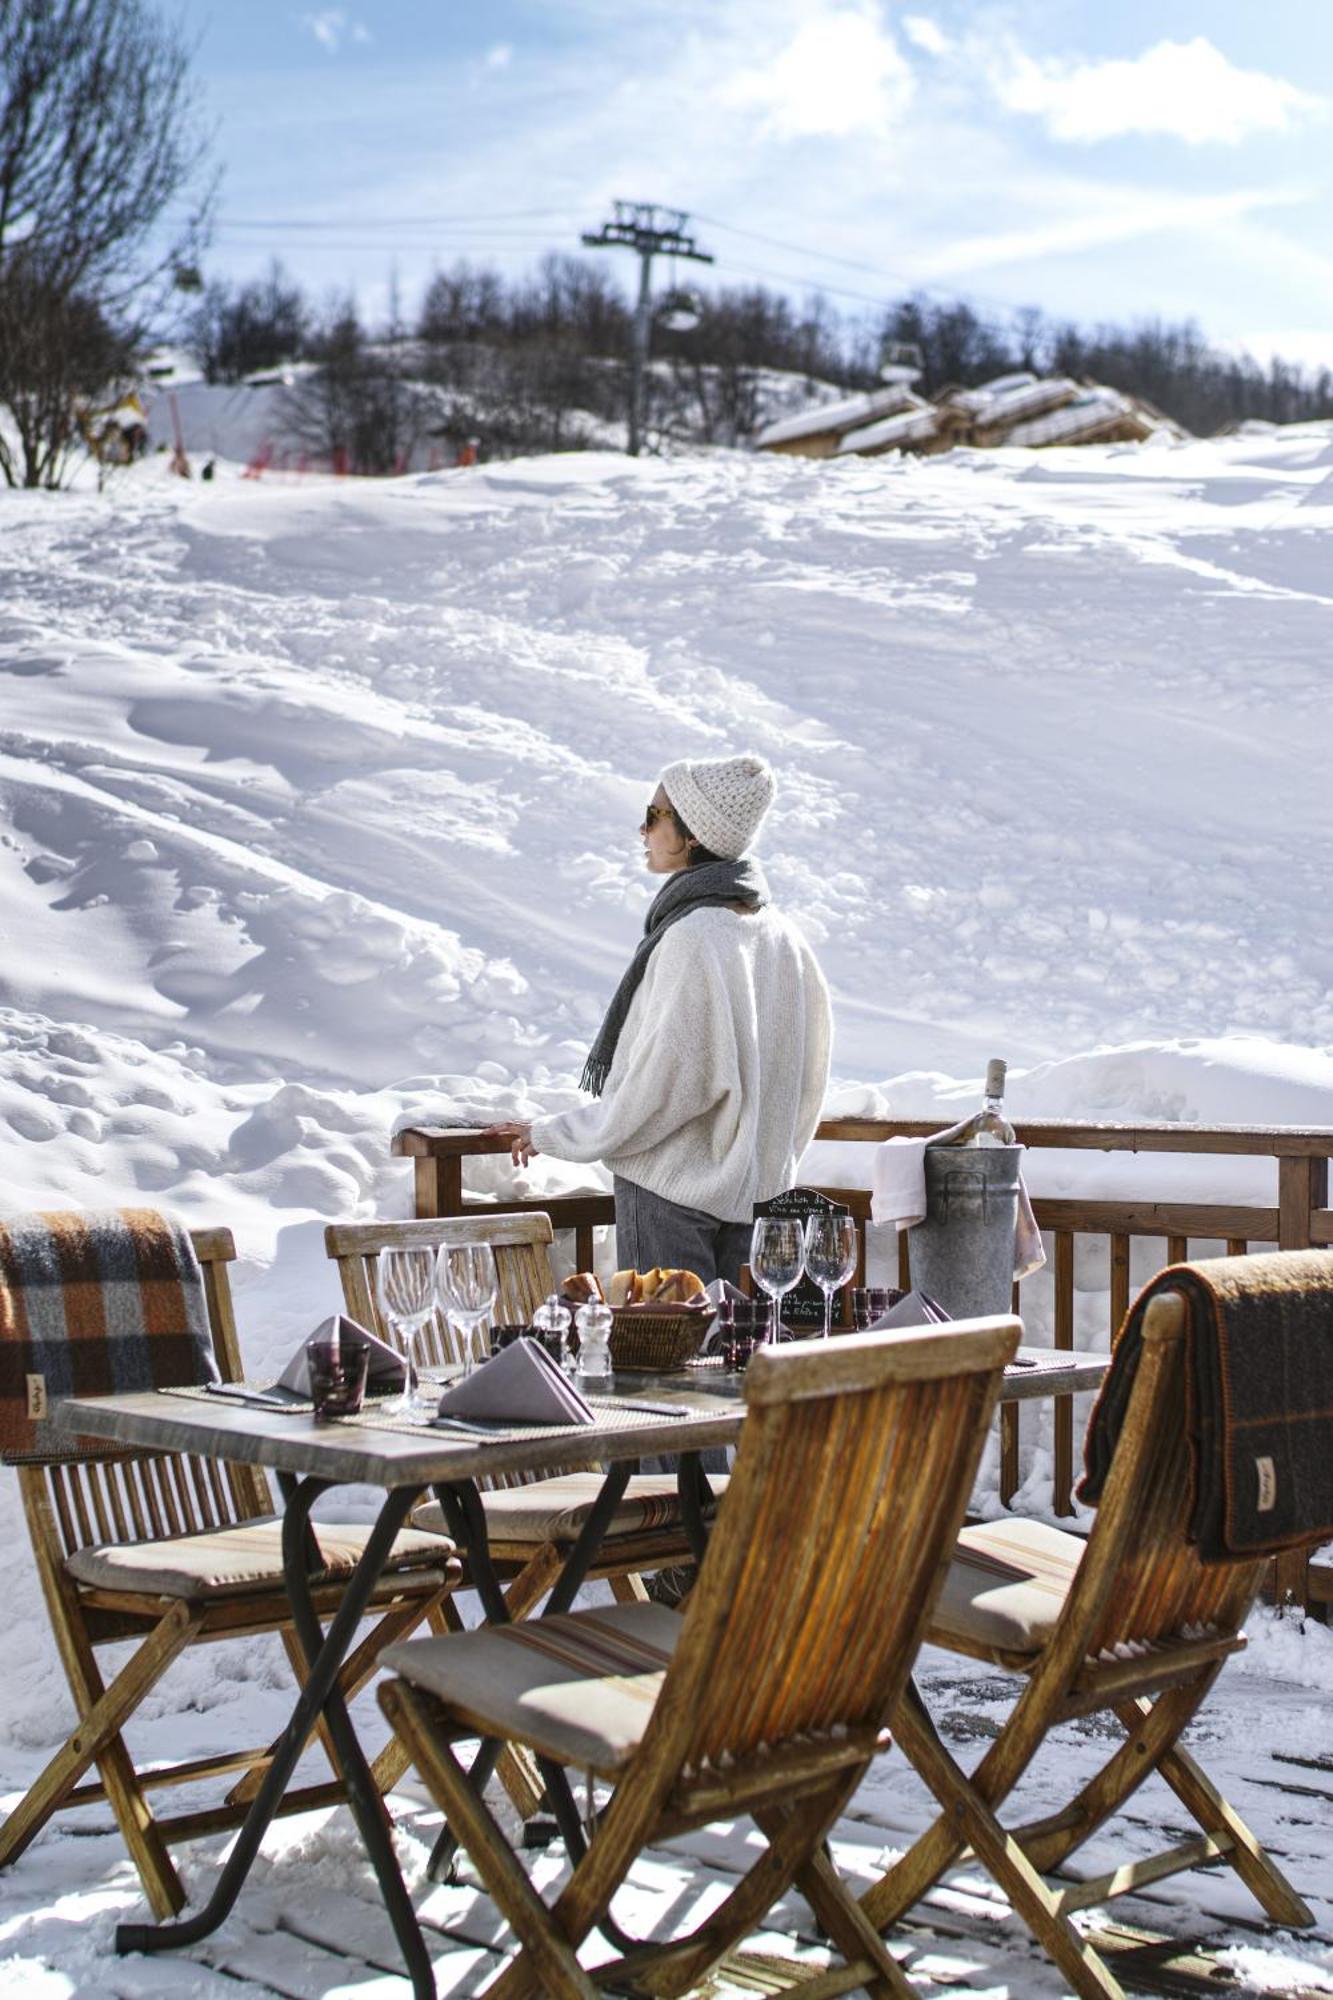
722, 803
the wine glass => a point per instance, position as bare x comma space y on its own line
405, 1283
830, 1256
777, 1258
466, 1282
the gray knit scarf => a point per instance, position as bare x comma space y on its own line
709, 884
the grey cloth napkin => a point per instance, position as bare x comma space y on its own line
519, 1385
386, 1369
916, 1309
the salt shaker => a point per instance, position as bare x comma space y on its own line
550, 1323
594, 1330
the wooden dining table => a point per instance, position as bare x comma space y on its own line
640, 1415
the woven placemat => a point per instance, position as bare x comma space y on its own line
611, 1416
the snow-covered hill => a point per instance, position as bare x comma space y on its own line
318, 804
318, 798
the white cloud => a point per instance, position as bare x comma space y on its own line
331, 27
1185, 90
926, 34
840, 73
1129, 215
500, 56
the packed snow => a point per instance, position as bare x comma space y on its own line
318, 810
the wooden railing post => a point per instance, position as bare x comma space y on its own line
1302, 1187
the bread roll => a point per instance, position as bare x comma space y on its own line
582, 1287
658, 1287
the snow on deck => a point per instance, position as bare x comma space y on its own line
310, 1921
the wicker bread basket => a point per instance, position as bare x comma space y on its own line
660, 1341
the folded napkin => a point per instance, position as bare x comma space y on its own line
913, 1309
386, 1368
519, 1385
898, 1194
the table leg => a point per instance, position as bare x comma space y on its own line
325, 1653
466, 1519
591, 1535
696, 1497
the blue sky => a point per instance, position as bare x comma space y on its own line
1101, 162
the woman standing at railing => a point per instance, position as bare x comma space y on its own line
709, 1071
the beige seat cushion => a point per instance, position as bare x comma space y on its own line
1006, 1586
579, 1687
554, 1510
245, 1556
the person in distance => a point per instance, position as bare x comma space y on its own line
709, 1071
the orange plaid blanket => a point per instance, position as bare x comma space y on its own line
91, 1303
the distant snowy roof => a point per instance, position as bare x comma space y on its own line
905, 428
1087, 412
837, 416
1020, 399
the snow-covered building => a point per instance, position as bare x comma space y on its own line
1015, 409
818, 432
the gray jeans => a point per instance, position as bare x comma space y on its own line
652, 1231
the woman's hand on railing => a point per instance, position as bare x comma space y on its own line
517, 1137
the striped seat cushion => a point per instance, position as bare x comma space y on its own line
1006, 1586
579, 1687
554, 1510
245, 1556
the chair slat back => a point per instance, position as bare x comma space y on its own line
1141, 1581
522, 1248
850, 1484
90, 1496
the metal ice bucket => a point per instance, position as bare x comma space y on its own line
963, 1253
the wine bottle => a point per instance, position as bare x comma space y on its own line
988, 1126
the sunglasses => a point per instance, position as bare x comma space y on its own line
653, 813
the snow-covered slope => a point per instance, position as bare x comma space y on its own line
318, 799
318, 804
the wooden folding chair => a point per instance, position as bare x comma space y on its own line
171, 1551
1131, 1623
766, 1696
531, 1523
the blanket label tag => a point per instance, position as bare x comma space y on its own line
1267, 1485
37, 1397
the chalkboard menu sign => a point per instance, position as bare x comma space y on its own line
803, 1306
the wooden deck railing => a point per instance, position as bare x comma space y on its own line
1298, 1217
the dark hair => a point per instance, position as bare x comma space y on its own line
699, 854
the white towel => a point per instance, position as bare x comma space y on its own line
898, 1195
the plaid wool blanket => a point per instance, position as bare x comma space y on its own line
1259, 1400
89, 1303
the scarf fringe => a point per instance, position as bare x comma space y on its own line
594, 1076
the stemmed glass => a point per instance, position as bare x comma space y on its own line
777, 1258
830, 1256
466, 1282
405, 1282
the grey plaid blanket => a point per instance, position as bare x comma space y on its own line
1259, 1400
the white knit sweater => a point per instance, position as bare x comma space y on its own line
719, 1074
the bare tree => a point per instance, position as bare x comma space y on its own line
98, 134
236, 329
358, 408
61, 354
